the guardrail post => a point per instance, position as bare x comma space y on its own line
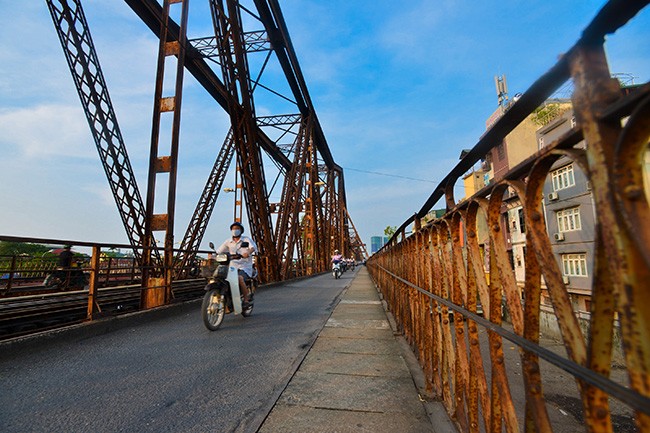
94, 279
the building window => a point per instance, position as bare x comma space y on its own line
574, 265
563, 178
501, 152
568, 220
522, 220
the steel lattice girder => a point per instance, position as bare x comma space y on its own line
270, 15
288, 223
234, 66
87, 75
199, 222
150, 12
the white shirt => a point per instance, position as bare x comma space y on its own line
234, 247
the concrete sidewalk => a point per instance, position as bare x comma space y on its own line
356, 377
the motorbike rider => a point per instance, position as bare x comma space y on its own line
233, 245
64, 264
65, 258
337, 257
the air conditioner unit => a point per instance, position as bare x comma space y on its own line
558, 236
552, 196
565, 279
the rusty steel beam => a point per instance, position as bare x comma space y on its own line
255, 42
357, 247
164, 165
276, 28
287, 229
234, 66
150, 12
199, 221
79, 49
237, 100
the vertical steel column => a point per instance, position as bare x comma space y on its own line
234, 67
153, 276
310, 222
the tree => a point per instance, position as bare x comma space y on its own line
390, 231
16, 248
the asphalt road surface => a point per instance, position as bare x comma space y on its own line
167, 374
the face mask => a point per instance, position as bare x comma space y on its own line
236, 233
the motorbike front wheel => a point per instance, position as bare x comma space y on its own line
212, 309
52, 281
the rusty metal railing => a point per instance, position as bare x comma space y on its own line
438, 279
24, 274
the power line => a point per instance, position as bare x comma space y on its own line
389, 175
397, 175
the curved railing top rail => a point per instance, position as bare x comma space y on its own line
614, 15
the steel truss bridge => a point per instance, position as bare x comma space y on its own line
435, 278
295, 236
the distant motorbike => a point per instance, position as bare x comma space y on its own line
336, 270
67, 279
222, 294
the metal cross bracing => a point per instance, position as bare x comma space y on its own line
437, 280
296, 236
74, 35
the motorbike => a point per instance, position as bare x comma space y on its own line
67, 279
336, 270
222, 294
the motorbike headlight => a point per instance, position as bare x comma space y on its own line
222, 258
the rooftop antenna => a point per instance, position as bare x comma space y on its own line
502, 89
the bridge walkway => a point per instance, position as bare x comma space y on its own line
359, 376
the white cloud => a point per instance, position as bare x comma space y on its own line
46, 130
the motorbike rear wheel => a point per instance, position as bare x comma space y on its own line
212, 309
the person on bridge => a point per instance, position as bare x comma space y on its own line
337, 257
238, 244
65, 258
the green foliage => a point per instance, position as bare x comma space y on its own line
390, 230
17, 248
545, 113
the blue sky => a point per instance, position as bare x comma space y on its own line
399, 87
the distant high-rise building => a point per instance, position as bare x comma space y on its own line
376, 242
